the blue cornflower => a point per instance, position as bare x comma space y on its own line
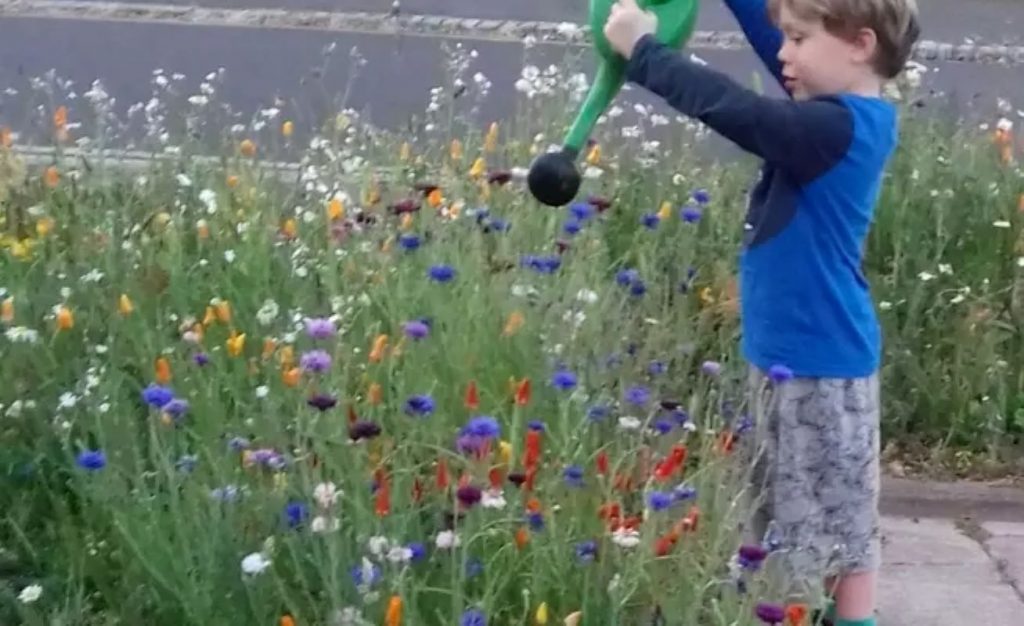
711, 368
418, 550
474, 567
659, 501
637, 289
564, 380
176, 408
409, 242
656, 367
200, 358
536, 521
473, 617
690, 215
662, 426
581, 210
638, 395
91, 460
365, 575
497, 224
586, 551
701, 196
572, 227
186, 463
296, 513
681, 416
573, 476
683, 492
441, 273
650, 220
542, 264
238, 443
483, 426
627, 277
598, 412
155, 395
536, 425
228, 493
746, 422
779, 373
420, 404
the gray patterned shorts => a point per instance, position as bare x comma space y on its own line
815, 474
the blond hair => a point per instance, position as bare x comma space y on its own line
894, 22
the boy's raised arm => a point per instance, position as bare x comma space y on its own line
764, 37
805, 138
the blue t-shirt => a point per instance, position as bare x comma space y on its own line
804, 300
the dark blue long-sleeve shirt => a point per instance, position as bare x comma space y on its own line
805, 302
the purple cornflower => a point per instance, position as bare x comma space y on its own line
656, 367
770, 613
200, 358
421, 404
650, 220
238, 443
536, 521
267, 457
363, 430
683, 492
638, 395
365, 575
320, 328
536, 425
315, 361
155, 395
441, 273
416, 329
627, 277
473, 617
779, 373
751, 556
91, 460
469, 495
564, 380
176, 408
322, 401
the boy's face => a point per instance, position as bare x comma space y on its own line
816, 62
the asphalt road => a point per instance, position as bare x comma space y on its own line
263, 63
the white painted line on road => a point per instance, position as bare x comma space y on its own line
432, 26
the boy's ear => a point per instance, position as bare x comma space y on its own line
865, 44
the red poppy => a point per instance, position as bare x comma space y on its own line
602, 463
472, 400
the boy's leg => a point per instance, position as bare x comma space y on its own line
823, 487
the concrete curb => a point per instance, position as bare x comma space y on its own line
904, 497
516, 31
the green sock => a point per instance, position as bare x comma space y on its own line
830, 612
856, 622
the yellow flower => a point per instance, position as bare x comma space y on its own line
7, 310
541, 617
235, 343
372, 194
335, 209
162, 370
247, 148
405, 151
478, 168
513, 323
287, 129
491, 139
21, 249
665, 211
505, 452
455, 150
269, 345
65, 318
289, 229
210, 316
232, 181
44, 225
374, 394
286, 357
406, 222
594, 156
124, 305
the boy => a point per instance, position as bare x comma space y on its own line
805, 304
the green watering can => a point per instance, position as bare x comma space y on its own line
553, 178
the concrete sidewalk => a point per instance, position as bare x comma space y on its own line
953, 555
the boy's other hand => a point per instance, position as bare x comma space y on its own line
626, 24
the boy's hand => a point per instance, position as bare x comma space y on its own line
626, 24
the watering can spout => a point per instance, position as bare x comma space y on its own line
553, 178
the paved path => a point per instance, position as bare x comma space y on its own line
263, 63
